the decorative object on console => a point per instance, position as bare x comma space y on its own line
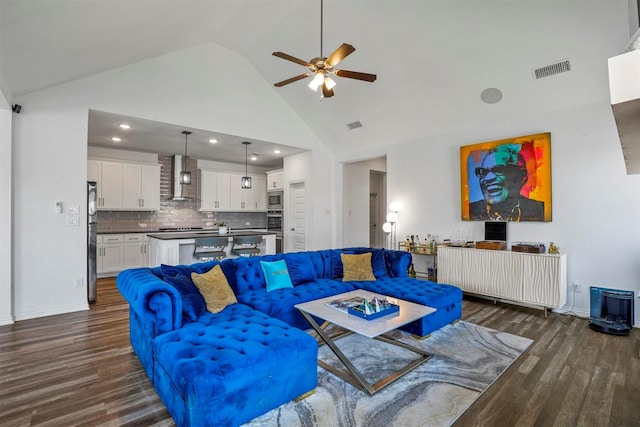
223, 228
532, 248
494, 246
507, 180
553, 249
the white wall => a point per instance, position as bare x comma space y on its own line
595, 204
205, 87
316, 169
6, 289
356, 200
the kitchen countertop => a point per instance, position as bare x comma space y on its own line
183, 235
155, 231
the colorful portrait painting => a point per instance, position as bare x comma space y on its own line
507, 180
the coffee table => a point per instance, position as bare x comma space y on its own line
369, 328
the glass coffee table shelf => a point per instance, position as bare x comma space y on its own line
373, 329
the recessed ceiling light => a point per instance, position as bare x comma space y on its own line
116, 139
125, 126
276, 151
213, 141
254, 157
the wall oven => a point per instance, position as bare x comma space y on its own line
274, 223
275, 200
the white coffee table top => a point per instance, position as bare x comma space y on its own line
369, 328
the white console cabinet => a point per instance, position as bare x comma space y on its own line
538, 279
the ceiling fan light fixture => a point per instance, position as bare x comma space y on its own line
317, 81
329, 83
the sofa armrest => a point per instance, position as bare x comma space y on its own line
151, 298
397, 262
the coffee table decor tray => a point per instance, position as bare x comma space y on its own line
374, 309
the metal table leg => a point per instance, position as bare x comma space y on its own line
352, 375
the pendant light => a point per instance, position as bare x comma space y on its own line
246, 179
185, 175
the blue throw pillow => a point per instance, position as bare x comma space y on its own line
276, 275
193, 305
300, 266
186, 270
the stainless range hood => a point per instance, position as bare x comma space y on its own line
179, 190
624, 88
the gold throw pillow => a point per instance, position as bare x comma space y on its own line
215, 289
357, 267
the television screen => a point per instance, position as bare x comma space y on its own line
495, 230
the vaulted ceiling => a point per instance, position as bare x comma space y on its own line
433, 58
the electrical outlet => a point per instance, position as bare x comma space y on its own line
576, 287
247, 223
142, 225
73, 221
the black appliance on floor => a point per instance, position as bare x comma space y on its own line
611, 311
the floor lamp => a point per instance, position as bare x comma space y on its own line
389, 227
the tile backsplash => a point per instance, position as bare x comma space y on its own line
176, 213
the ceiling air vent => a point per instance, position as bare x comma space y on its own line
354, 125
550, 70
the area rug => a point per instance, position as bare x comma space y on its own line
467, 359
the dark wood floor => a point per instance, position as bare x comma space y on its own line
78, 369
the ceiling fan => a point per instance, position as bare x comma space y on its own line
320, 67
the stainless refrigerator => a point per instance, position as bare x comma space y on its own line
92, 225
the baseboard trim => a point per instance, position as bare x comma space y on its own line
52, 312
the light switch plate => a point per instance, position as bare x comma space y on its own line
73, 209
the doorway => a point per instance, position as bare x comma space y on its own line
296, 214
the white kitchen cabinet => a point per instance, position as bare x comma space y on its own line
275, 180
251, 199
214, 190
260, 192
141, 187
117, 252
108, 176
110, 254
135, 250
125, 186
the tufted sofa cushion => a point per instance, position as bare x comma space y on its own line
233, 366
446, 299
248, 272
280, 304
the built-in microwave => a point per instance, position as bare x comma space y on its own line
274, 200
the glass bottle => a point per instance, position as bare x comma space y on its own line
412, 271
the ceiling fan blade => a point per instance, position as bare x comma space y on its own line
326, 92
292, 79
356, 75
339, 54
291, 58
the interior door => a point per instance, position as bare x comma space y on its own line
295, 237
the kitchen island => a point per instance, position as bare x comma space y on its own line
177, 248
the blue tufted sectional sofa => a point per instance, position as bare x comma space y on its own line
230, 367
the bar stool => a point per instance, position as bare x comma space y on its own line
210, 248
246, 246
